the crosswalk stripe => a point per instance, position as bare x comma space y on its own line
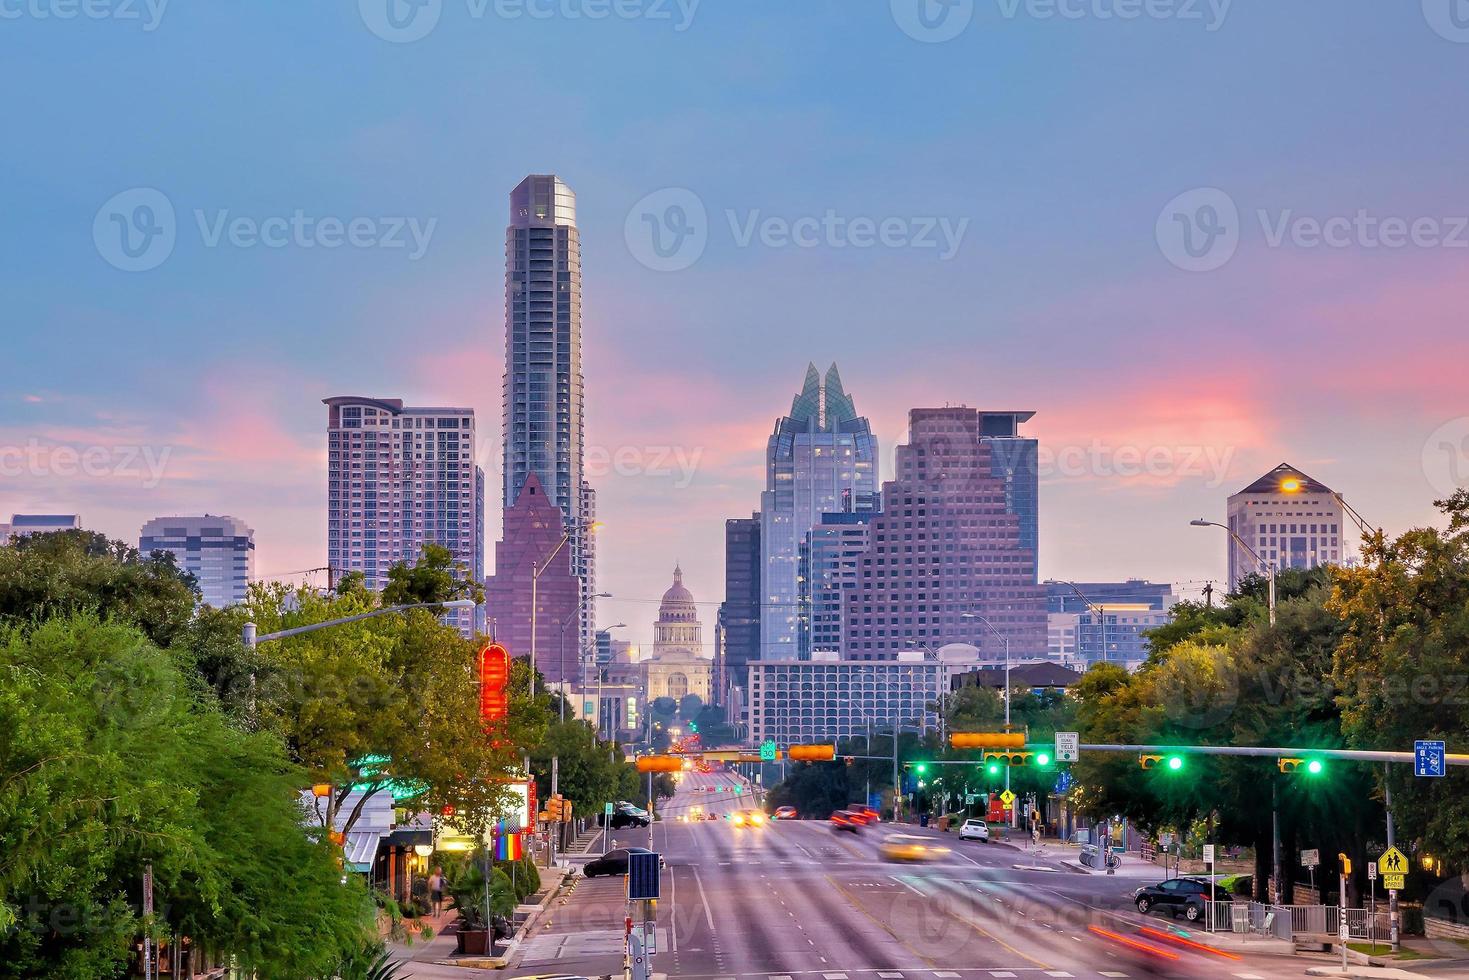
1001, 973
1249, 976
947, 974
1106, 973
1057, 973
891, 976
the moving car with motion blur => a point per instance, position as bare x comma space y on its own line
975, 829
747, 818
1177, 896
784, 813
870, 812
846, 820
907, 847
612, 863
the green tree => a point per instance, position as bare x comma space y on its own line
435, 577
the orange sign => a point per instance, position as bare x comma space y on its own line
494, 677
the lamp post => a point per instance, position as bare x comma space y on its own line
536, 568
581, 605
1004, 637
1268, 566
250, 638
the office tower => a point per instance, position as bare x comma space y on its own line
1015, 460
542, 386
829, 558
23, 524
945, 544
532, 539
218, 551
399, 478
1289, 519
738, 627
1105, 621
821, 458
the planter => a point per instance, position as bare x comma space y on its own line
473, 942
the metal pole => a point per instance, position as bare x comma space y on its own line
897, 787
1392, 893
1006, 638
1272, 593
1277, 871
550, 834
562, 668
535, 581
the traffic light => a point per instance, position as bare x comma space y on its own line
987, 740
811, 753
1014, 758
1346, 863
739, 789
1311, 767
992, 768
659, 763
1043, 759
920, 768
1172, 763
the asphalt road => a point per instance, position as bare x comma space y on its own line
795, 899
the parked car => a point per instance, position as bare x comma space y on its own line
784, 813
631, 817
975, 829
846, 820
612, 863
1176, 896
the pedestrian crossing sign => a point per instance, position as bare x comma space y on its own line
1007, 798
1393, 862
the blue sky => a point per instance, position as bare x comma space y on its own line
1056, 143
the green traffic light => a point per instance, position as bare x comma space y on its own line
993, 769
1175, 762
1042, 759
1314, 767
921, 768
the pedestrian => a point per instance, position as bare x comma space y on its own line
436, 890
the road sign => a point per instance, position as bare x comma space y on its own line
642, 876
1394, 883
1007, 798
1208, 853
1311, 858
1393, 862
767, 751
1068, 747
1429, 758
607, 810
1371, 870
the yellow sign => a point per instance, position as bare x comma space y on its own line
1393, 882
1394, 864
1007, 797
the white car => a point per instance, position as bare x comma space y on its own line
975, 830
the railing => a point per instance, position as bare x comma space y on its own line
1362, 924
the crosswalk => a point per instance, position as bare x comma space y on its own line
968, 973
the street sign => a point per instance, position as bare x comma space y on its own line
1393, 862
1429, 758
1208, 853
1394, 883
1068, 747
1371, 870
607, 810
1311, 858
1007, 798
642, 877
767, 751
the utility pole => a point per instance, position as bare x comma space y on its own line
897, 786
1392, 893
1277, 871
551, 835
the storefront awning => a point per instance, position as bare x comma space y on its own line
360, 849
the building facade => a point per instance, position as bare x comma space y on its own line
738, 625
946, 544
23, 524
542, 397
398, 478
829, 558
533, 529
1015, 460
219, 551
1290, 520
679, 665
1115, 632
821, 458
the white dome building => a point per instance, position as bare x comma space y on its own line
679, 665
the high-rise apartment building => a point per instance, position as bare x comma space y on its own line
219, 551
399, 478
821, 459
23, 524
1290, 520
947, 543
542, 386
829, 558
737, 632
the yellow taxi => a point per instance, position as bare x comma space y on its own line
906, 847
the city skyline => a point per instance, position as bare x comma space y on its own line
1059, 298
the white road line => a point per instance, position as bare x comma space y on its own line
911, 888
1111, 973
1249, 976
891, 976
1057, 973
704, 899
997, 974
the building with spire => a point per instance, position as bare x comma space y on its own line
542, 386
821, 458
1289, 519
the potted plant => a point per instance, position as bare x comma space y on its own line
467, 887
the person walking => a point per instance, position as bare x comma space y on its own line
436, 890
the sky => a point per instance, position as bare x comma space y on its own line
1197, 238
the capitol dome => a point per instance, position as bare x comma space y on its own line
678, 602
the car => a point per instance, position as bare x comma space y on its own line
614, 862
629, 818
907, 847
870, 812
784, 813
846, 820
975, 829
1176, 896
746, 818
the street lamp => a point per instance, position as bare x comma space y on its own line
248, 634
581, 605
1268, 566
536, 568
1101, 614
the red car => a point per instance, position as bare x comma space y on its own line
847, 820
870, 812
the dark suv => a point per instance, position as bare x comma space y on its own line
1176, 896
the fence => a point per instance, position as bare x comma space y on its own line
1289, 921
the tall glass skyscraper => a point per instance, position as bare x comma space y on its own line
821, 458
542, 386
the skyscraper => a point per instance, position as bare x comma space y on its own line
542, 386
737, 633
218, 551
1015, 460
399, 478
946, 543
829, 558
821, 458
1289, 519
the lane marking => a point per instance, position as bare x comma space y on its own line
704, 899
1057, 973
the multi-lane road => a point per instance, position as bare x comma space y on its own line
794, 899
